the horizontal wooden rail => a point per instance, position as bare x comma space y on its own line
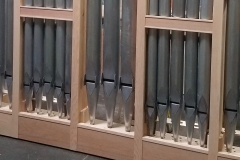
179, 24
46, 13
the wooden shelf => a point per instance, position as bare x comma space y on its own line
5, 109
182, 144
235, 155
179, 24
46, 13
101, 126
114, 143
45, 117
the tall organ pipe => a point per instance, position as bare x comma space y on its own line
204, 73
92, 77
152, 51
60, 62
191, 53
110, 74
68, 62
2, 49
9, 47
28, 60
231, 96
128, 51
49, 58
38, 58
176, 71
163, 69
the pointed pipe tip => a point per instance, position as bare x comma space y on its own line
127, 128
109, 124
92, 120
229, 149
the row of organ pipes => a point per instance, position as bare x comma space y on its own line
118, 57
6, 49
170, 54
178, 63
47, 60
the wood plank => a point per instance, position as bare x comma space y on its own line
155, 151
44, 132
77, 69
101, 126
182, 144
46, 13
17, 104
105, 145
223, 158
217, 78
6, 124
45, 118
140, 78
179, 24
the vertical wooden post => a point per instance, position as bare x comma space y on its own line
217, 77
140, 79
78, 58
17, 67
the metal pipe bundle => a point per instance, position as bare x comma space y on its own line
191, 53
28, 59
92, 77
110, 73
128, 50
49, 59
38, 58
204, 73
231, 97
163, 69
2, 49
152, 52
176, 70
68, 62
60, 62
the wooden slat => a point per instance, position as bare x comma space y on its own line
182, 144
155, 151
46, 13
217, 78
45, 118
78, 60
101, 126
140, 79
44, 132
17, 68
233, 156
105, 145
179, 24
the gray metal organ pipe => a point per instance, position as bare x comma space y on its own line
176, 69
49, 58
232, 79
204, 73
92, 77
111, 57
28, 60
191, 57
152, 51
163, 69
38, 68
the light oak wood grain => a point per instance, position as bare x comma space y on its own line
105, 144
44, 132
